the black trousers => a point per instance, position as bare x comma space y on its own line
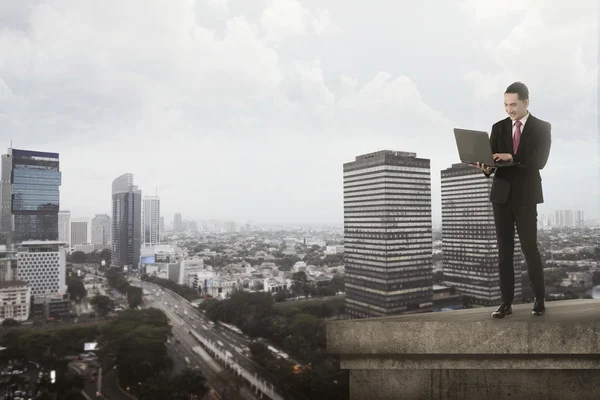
524, 216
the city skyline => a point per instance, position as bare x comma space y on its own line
251, 110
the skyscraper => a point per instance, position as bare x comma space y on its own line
177, 223
29, 188
64, 227
161, 228
80, 231
101, 230
126, 222
579, 221
150, 218
469, 248
388, 234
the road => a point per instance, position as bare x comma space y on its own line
217, 376
237, 344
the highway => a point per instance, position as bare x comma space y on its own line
235, 343
209, 367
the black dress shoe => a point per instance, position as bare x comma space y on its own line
538, 307
502, 311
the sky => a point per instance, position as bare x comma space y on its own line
247, 110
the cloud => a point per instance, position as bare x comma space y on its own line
282, 19
549, 56
249, 113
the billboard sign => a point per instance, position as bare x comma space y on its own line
90, 346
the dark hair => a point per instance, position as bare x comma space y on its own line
520, 89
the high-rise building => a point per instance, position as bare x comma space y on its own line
101, 231
126, 222
161, 228
42, 265
388, 234
64, 227
469, 248
151, 218
177, 223
80, 231
579, 221
29, 187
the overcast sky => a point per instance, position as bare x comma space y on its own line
247, 109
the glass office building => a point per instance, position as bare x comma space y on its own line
29, 191
126, 222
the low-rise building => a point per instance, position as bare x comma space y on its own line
15, 300
51, 306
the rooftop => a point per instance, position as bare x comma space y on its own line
467, 354
42, 243
9, 284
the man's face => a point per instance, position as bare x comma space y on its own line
515, 108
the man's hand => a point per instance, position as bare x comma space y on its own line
487, 170
503, 157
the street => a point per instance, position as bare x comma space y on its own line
209, 367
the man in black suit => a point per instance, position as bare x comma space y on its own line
516, 192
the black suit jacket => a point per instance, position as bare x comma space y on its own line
523, 183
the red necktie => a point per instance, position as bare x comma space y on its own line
517, 136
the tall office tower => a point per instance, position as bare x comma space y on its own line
469, 248
79, 231
64, 227
388, 234
29, 187
101, 230
161, 228
42, 265
569, 218
579, 221
177, 223
151, 218
126, 222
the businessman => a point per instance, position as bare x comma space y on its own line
516, 191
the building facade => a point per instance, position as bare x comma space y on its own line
126, 222
15, 300
42, 264
101, 228
151, 221
64, 227
469, 248
387, 234
30, 189
79, 231
177, 223
8, 264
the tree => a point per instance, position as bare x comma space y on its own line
280, 296
10, 322
189, 383
78, 257
102, 304
134, 296
76, 288
299, 283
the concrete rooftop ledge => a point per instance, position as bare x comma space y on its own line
467, 354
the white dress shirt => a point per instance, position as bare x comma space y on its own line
523, 120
